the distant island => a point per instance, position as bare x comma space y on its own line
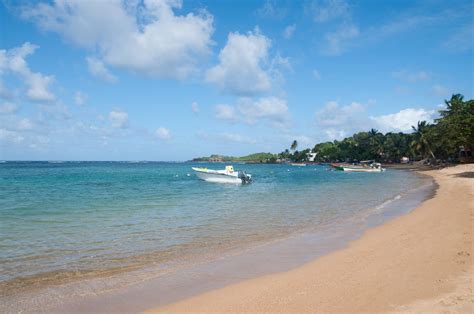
252, 158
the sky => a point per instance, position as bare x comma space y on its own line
171, 80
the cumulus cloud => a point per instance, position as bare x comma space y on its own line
243, 64
14, 61
250, 111
288, 31
118, 119
327, 10
411, 76
336, 42
338, 122
97, 68
163, 133
333, 114
142, 37
403, 120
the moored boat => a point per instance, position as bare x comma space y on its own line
364, 166
223, 176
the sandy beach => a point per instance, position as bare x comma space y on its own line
419, 262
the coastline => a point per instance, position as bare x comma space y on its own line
416, 262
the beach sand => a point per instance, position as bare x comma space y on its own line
419, 262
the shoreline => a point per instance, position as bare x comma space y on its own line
415, 262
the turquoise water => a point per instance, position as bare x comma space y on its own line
61, 222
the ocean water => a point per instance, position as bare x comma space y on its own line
61, 223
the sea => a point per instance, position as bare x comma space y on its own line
71, 230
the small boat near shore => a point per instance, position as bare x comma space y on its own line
228, 175
363, 166
298, 164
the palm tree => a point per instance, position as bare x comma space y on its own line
420, 142
294, 145
375, 142
453, 105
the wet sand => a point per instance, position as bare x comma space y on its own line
419, 262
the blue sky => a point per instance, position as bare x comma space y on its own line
172, 80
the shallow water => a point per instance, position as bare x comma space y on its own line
66, 222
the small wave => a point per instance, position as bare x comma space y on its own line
381, 206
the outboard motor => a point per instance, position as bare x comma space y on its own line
246, 178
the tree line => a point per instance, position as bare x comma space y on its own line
441, 140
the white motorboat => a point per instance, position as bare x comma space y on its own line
223, 176
365, 166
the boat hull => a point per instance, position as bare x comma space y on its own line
218, 178
349, 169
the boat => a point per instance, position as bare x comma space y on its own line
338, 166
363, 166
228, 175
298, 164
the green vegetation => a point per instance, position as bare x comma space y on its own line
439, 141
253, 158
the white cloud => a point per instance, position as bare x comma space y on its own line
440, 90
142, 37
411, 76
8, 108
338, 121
250, 111
289, 30
316, 74
118, 119
271, 108
326, 10
241, 61
80, 98
332, 114
337, 41
403, 120
13, 61
97, 68
195, 107
163, 133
